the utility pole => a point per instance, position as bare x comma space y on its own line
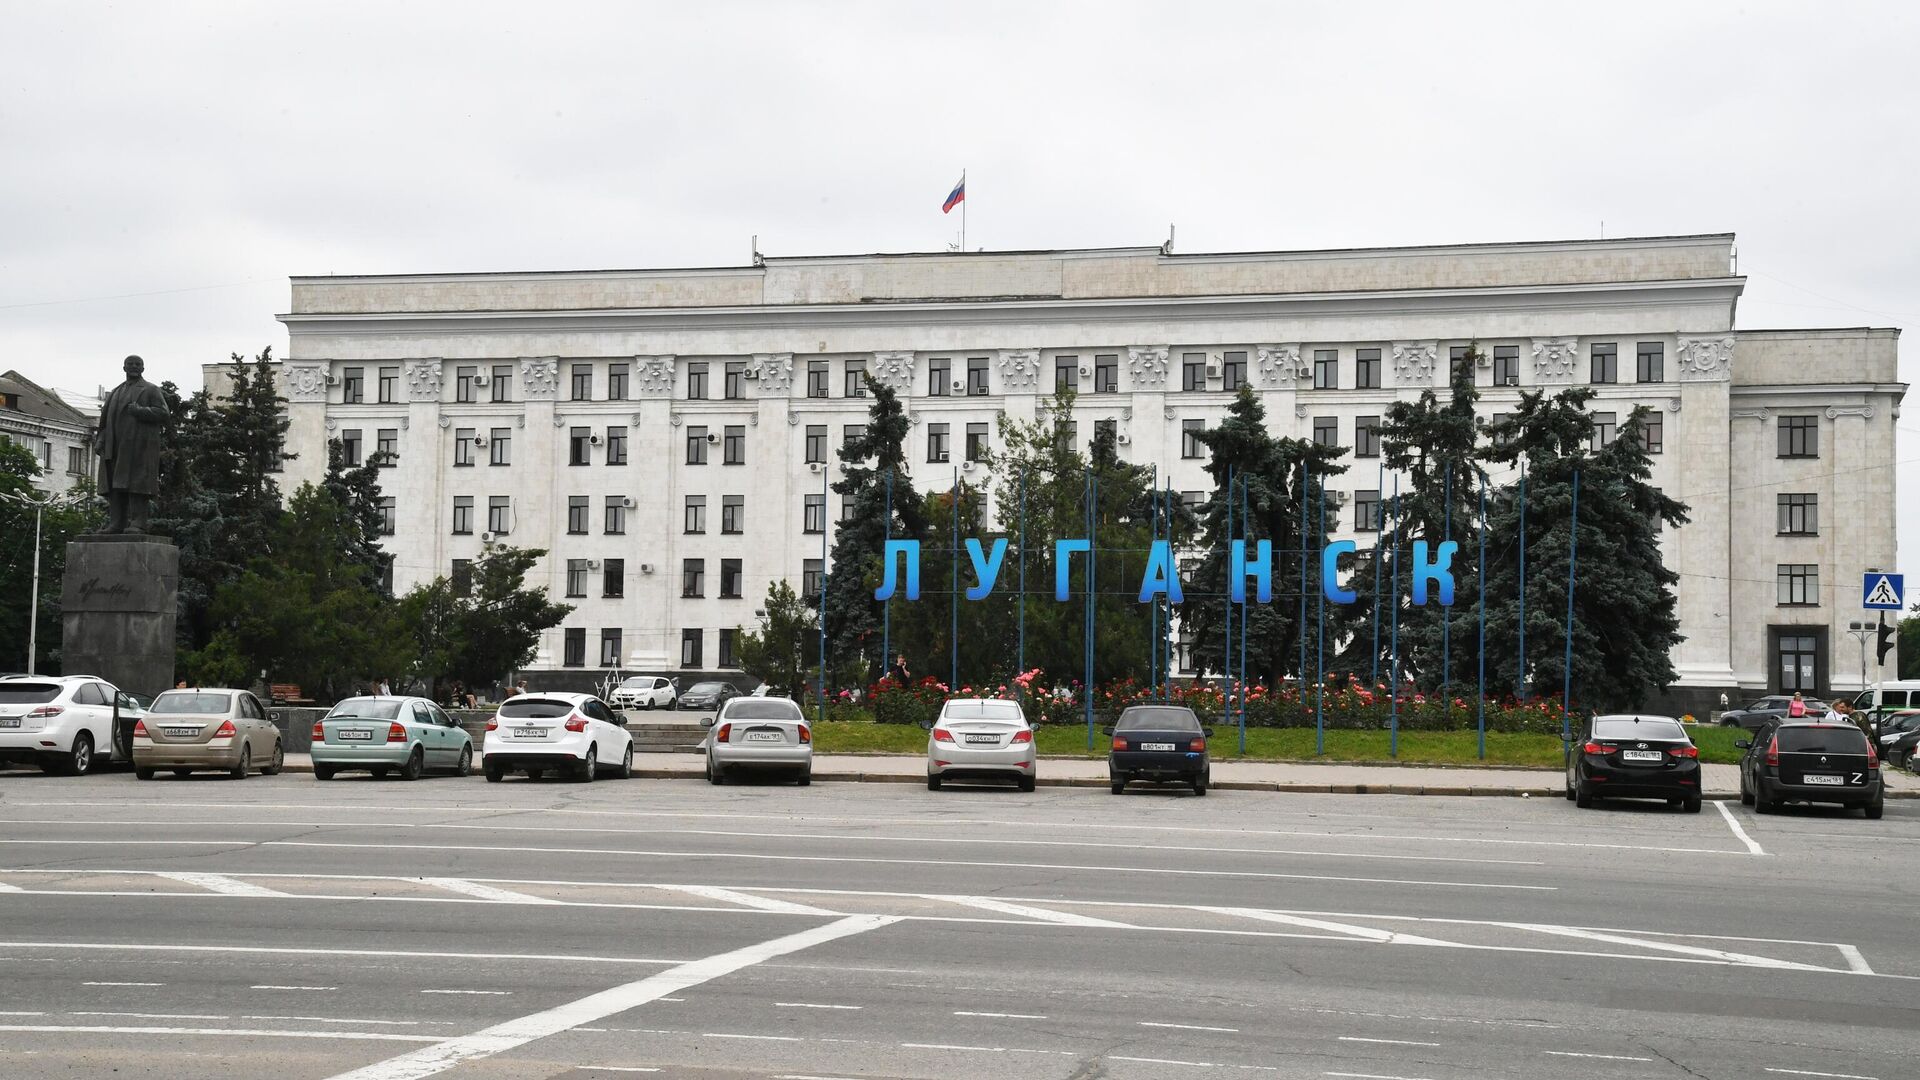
33, 604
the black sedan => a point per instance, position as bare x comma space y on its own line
1634, 757
1899, 738
1813, 762
1767, 709
708, 696
1160, 743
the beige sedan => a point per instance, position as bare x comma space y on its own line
220, 730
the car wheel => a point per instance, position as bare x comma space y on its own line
279, 760
1200, 784
933, 781
1582, 798
1763, 802
715, 775
323, 772
1026, 783
584, 772
1691, 804
1119, 786
806, 778
1569, 782
625, 769
465, 766
79, 760
495, 774
240, 771
1746, 793
415, 766
1874, 809
142, 774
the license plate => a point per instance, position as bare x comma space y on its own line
529, 733
765, 736
354, 734
1156, 746
1641, 755
1819, 778
183, 732
9, 721
983, 738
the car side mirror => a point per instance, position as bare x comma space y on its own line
926, 725
277, 717
1207, 731
706, 721
1742, 744
1108, 730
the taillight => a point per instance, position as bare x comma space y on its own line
941, 734
1597, 748
576, 723
396, 733
139, 729
1197, 745
1773, 750
1024, 735
226, 730
806, 734
721, 735
319, 733
493, 723
46, 711
1119, 743
1686, 751
1873, 758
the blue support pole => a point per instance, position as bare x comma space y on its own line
820, 708
953, 598
1520, 687
1393, 711
1446, 616
1300, 620
1566, 673
1086, 684
1244, 519
1226, 605
1153, 662
1320, 641
886, 606
1379, 531
1480, 707
1023, 573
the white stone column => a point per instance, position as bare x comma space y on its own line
536, 457
1702, 546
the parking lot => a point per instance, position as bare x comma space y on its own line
205, 928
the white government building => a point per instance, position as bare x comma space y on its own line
657, 430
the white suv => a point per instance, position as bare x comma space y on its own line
644, 692
65, 724
566, 733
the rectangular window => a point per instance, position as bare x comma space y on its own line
1106, 373
499, 513
1326, 369
693, 577
813, 577
1193, 371
575, 650
1188, 665
1458, 356
1233, 370
976, 376
1109, 429
733, 514
731, 579
1653, 431
582, 381
690, 648
1799, 515
389, 514
386, 447
576, 577
1650, 362
1798, 584
1193, 501
389, 385
617, 381
851, 433
1326, 431
500, 446
613, 580
1800, 436
350, 447
1366, 368
1498, 439
696, 446
733, 448
816, 443
577, 511
462, 577
1799, 663
697, 381
463, 383
1606, 428
856, 378
353, 386
1605, 361
77, 460
1366, 436
1506, 365
736, 380
813, 514
463, 515
610, 648
696, 519
936, 442
463, 446
1366, 511
1066, 373
580, 446
1190, 444
728, 658
976, 442
939, 376
502, 383
617, 445
816, 378
615, 520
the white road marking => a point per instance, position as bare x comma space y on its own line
1738, 832
615, 1068
811, 1005
982, 1049
343, 1020
517, 1032
484, 892
373, 1036
121, 984
761, 1038
1855, 960
1373, 1076
758, 903
1387, 1042
1364, 933
1667, 946
159, 1016
141, 946
805, 1076
219, 883
1037, 914
1189, 1027
1003, 1016
1601, 1057
488, 993
1165, 1061
316, 989
1836, 1076
4, 887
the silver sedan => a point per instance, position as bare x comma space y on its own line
759, 733
981, 739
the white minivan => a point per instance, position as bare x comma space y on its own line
1891, 696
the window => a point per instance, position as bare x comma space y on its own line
816, 378
1326, 431
1188, 665
1458, 357
735, 387
350, 447
976, 442
976, 376
463, 515
816, 443
693, 577
696, 520
389, 514
939, 376
353, 386
1066, 373
813, 514
389, 385
575, 651
1653, 431
696, 446
1190, 444
856, 378
1799, 662
576, 577
1193, 371
1366, 436
851, 433
1106, 373
463, 446
499, 507
1499, 439
1068, 433
582, 381
1606, 428
1193, 501
1366, 510
463, 383
813, 577
386, 447
1650, 361
613, 580
1800, 436
502, 383
580, 446
1108, 428
577, 511
1506, 365
610, 648
616, 515
1366, 368
499, 447
697, 382
617, 445
462, 577
1233, 370
733, 446
1326, 369
690, 648
733, 514
1799, 515
617, 381
727, 658
936, 442
1605, 358
1798, 584
730, 579
77, 460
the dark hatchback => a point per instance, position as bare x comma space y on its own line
1634, 757
708, 696
1160, 743
1811, 762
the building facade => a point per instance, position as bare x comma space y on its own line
667, 434
58, 434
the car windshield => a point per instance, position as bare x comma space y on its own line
707, 688
526, 708
1831, 739
637, 684
983, 710
1644, 728
367, 709
1158, 719
763, 709
28, 693
191, 701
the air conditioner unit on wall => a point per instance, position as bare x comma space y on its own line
332, 379
1213, 369
751, 373
1123, 438
1085, 371
959, 387
816, 466
967, 466
646, 568
479, 440
482, 380
711, 437
627, 502
486, 538
593, 564
594, 439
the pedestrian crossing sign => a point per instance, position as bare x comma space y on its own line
1884, 592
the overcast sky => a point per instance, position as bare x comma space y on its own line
165, 167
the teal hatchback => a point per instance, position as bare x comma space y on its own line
407, 735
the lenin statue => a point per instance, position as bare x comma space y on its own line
131, 423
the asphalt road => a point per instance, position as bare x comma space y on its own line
285, 928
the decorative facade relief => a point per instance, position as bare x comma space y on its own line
1864, 412
774, 370
1019, 368
1555, 358
1414, 361
1704, 359
1280, 364
653, 375
540, 378
423, 380
1148, 364
304, 382
893, 370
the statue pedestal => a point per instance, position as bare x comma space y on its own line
117, 605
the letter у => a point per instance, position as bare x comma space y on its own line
985, 570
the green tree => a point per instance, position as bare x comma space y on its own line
355, 489
779, 650
501, 620
880, 502
1908, 645
59, 524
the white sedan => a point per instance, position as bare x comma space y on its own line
981, 739
575, 734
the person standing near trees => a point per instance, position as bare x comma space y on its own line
898, 672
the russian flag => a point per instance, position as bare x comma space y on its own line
957, 196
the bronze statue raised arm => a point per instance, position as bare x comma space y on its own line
132, 422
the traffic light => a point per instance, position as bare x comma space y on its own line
1887, 635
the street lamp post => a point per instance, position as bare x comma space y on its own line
33, 604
